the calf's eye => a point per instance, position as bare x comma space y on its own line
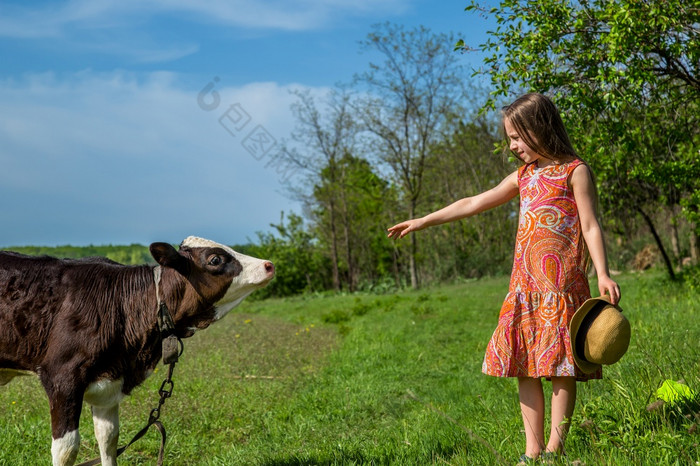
215, 260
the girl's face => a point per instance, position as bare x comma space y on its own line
518, 146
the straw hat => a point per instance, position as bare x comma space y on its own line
600, 334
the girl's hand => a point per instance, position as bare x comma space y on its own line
607, 286
402, 229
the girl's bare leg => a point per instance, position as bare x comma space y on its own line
563, 402
532, 408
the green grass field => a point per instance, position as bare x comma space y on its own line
387, 379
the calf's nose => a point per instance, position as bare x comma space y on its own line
269, 268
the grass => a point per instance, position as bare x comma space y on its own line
387, 379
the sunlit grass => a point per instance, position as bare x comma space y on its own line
386, 379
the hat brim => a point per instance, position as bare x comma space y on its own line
575, 325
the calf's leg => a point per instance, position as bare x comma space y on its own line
65, 404
65, 416
106, 420
104, 396
64, 450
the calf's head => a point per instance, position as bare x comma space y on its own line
210, 273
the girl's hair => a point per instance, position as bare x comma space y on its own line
537, 121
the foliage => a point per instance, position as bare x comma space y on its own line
299, 263
360, 195
325, 136
388, 379
625, 75
472, 247
409, 99
691, 278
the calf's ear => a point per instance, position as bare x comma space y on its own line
167, 256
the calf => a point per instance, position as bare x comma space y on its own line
88, 328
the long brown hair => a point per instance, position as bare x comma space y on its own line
537, 121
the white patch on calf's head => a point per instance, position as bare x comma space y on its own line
196, 242
255, 273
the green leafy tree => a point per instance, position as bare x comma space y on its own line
625, 75
464, 164
409, 98
363, 199
324, 136
295, 253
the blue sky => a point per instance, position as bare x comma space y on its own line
133, 121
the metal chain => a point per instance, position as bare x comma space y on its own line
164, 393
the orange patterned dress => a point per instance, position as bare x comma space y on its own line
548, 282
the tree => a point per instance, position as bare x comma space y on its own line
409, 98
324, 138
464, 164
625, 75
363, 198
294, 251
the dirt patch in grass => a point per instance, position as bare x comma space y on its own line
251, 346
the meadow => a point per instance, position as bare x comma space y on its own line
388, 378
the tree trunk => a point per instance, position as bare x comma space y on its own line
667, 261
352, 273
675, 239
395, 263
334, 249
675, 246
413, 252
412, 263
348, 250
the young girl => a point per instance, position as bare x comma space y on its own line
548, 282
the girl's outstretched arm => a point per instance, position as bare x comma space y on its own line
585, 195
504, 192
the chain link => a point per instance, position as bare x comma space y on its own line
164, 393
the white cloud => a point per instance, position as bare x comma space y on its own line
57, 19
119, 157
281, 14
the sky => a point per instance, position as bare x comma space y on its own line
134, 121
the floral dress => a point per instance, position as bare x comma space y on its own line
548, 282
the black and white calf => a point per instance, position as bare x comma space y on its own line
88, 328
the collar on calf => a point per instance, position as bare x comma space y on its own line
171, 343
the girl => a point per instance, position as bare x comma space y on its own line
548, 282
